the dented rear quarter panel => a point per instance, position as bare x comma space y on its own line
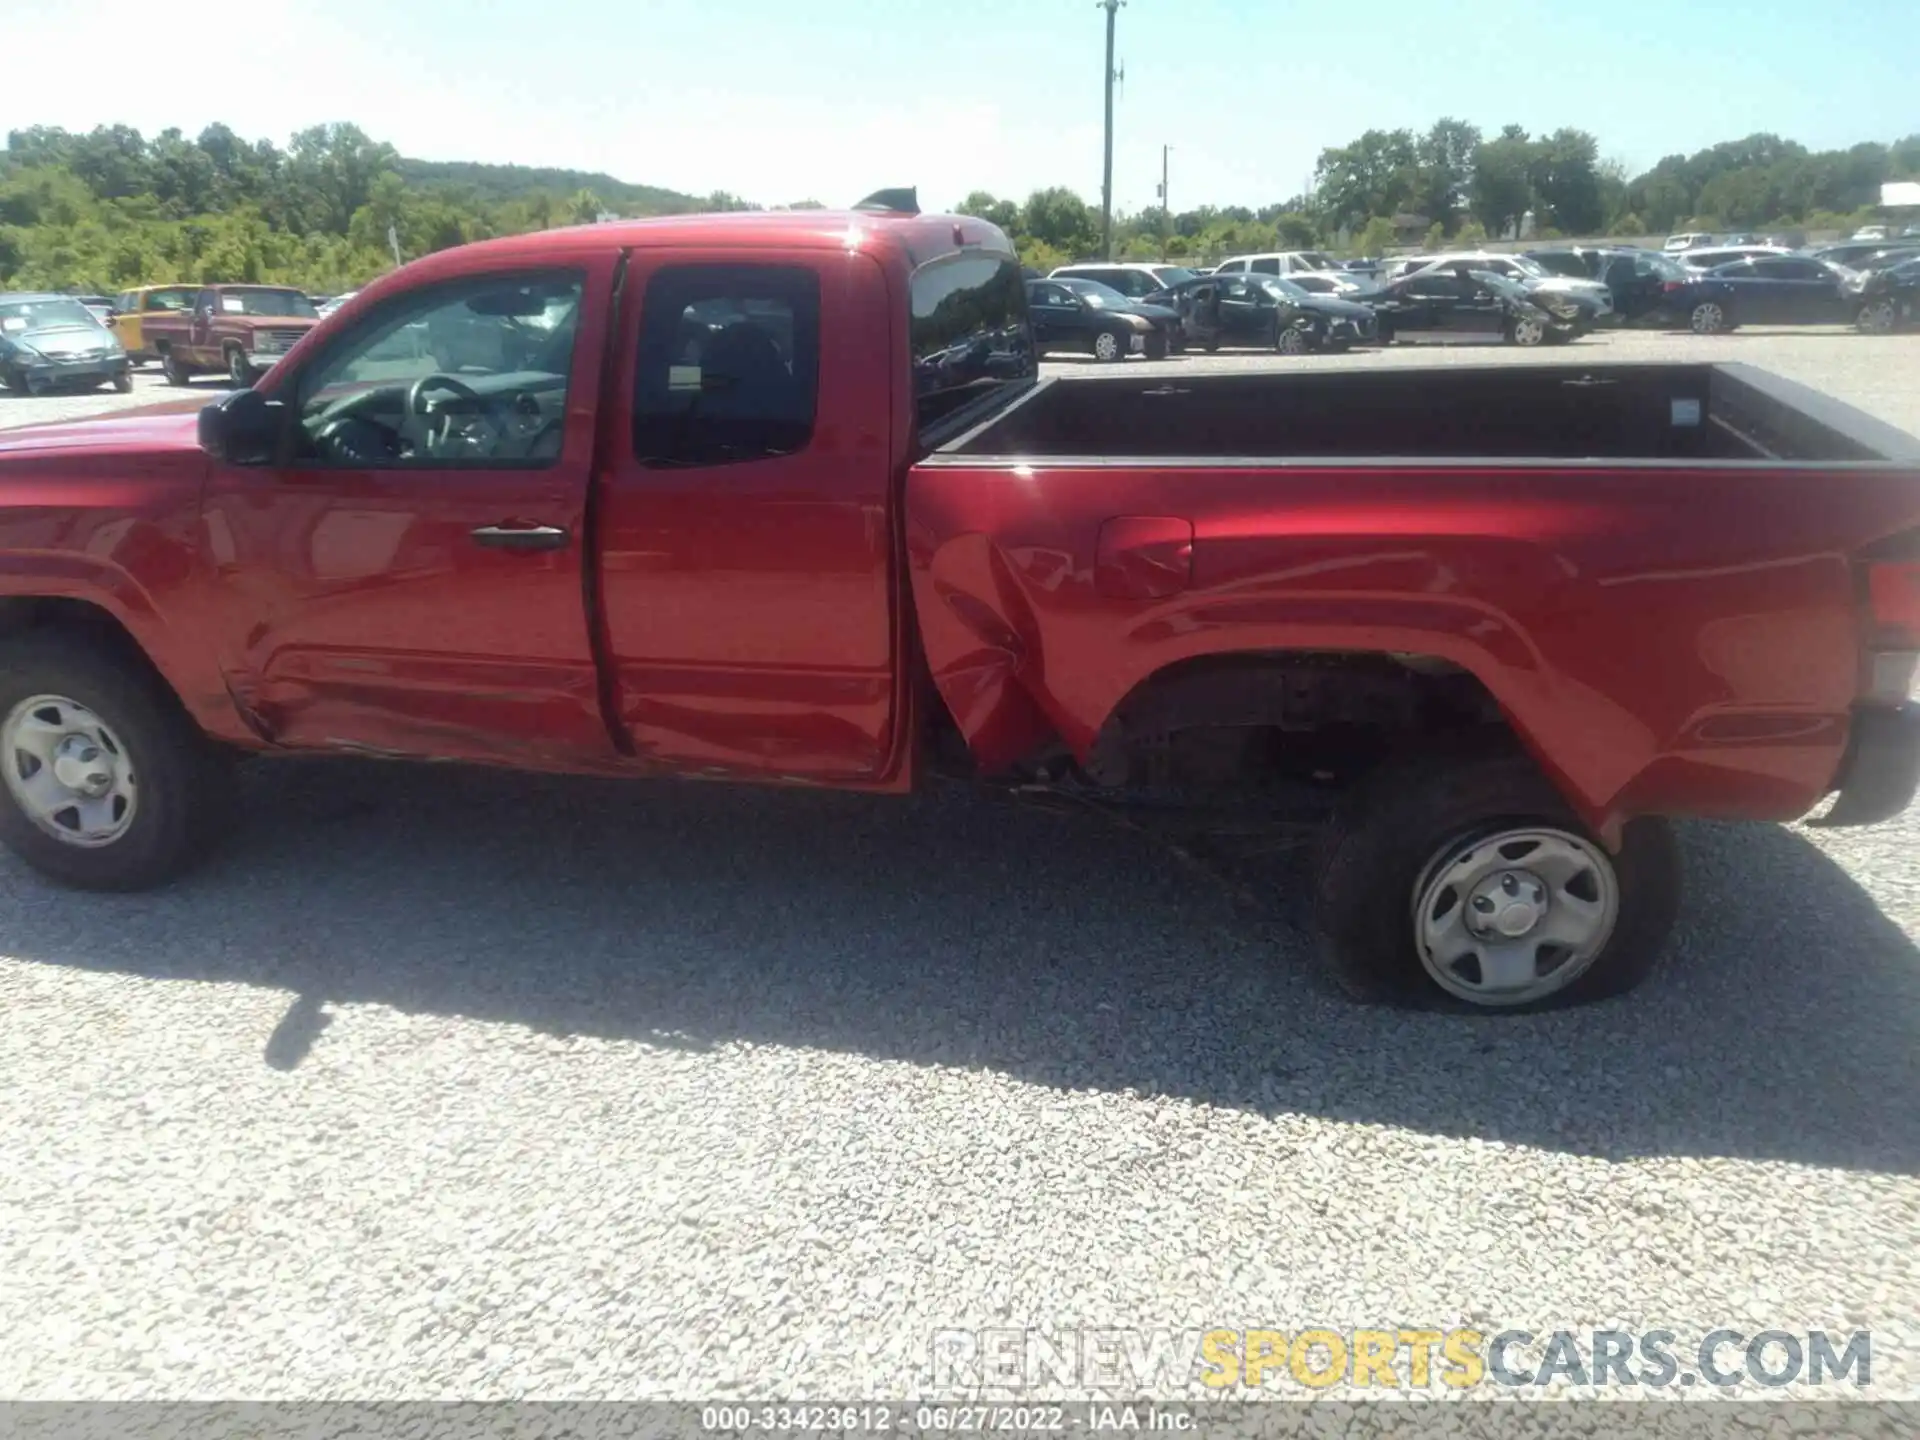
1664, 639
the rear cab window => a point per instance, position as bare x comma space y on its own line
969, 337
729, 364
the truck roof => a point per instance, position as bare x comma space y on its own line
916, 238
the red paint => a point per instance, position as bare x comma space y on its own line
1683, 641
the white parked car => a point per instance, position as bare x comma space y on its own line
1278, 262
1871, 232
335, 303
1687, 240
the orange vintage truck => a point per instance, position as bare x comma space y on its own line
236, 329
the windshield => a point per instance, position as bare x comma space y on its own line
1285, 289
1500, 284
1318, 260
1171, 275
289, 303
17, 316
1094, 293
1527, 265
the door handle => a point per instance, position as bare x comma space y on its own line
521, 537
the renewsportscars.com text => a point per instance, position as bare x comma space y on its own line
1401, 1358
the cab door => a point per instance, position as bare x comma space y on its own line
408, 576
747, 580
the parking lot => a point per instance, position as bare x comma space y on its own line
446, 1083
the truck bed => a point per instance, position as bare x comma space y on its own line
1570, 413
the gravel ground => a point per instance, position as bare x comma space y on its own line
456, 1084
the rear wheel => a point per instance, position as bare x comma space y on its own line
108, 785
1877, 318
1709, 317
1470, 883
170, 366
13, 380
1156, 346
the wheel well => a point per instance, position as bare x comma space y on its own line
88, 624
1324, 715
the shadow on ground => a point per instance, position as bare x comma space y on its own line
954, 929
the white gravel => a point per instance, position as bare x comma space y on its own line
448, 1084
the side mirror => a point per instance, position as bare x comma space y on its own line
242, 428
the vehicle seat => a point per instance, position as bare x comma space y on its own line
752, 373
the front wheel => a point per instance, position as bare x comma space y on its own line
1107, 346
14, 381
123, 382
108, 785
173, 369
1709, 317
1157, 346
1877, 318
1291, 339
1471, 884
238, 370
1525, 330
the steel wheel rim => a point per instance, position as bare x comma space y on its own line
1292, 342
1878, 318
1510, 917
68, 772
1707, 318
1106, 347
1528, 332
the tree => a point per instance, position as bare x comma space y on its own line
1564, 173
1502, 187
983, 205
1062, 221
1375, 236
1445, 155
1296, 231
1377, 174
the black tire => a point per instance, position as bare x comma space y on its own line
239, 371
1156, 346
1710, 317
1409, 815
185, 795
14, 381
123, 382
170, 366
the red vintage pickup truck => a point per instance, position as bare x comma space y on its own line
779, 498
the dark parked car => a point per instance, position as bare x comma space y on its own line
1269, 311
1768, 290
1888, 298
1458, 302
1091, 318
1862, 255
1135, 280
53, 340
1641, 280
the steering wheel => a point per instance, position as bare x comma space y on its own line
418, 407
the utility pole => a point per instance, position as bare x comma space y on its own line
1166, 213
1112, 8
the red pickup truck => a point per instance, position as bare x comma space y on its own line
779, 498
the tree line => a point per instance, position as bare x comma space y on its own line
1454, 183
112, 208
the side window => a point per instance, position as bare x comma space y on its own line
468, 374
1735, 270
1233, 267
1434, 285
1267, 266
729, 364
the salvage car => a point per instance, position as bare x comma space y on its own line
1888, 298
1087, 318
132, 308
1768, 290
1636, 278
1520, 268
1267, 311
238, 330
1460, 303
716, 528
48, 342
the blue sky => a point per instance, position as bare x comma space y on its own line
782, 100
